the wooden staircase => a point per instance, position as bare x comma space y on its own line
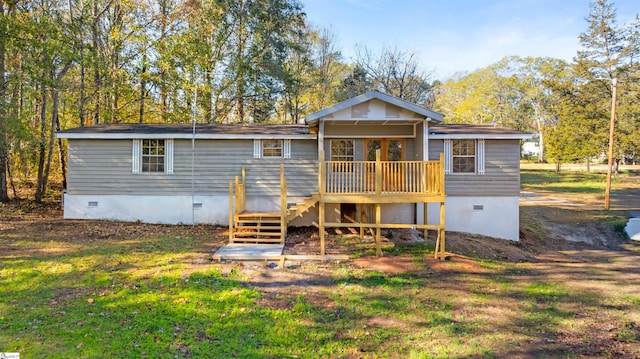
300, 208
263, 227
257, 227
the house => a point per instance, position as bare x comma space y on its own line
373, 161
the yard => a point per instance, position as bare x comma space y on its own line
94, 289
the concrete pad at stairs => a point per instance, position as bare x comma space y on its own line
242, 251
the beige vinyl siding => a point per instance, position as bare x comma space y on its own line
368, 130
104, 167
502, 171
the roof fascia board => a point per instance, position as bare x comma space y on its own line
201, 136
370, 136
513, 136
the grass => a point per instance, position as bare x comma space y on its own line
564, 182
144, 299
159, 297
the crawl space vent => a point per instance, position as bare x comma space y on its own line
478, 207
92, 204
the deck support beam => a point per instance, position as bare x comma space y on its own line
321, 225
425, 206
378, 247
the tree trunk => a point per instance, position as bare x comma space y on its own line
52, 137
97, 83
143, 88
63, 158
541, 142
41, 143
164, 11
557, 166
4, 196
13, 185
82, 86
588, 162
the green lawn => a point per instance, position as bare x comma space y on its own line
81, 293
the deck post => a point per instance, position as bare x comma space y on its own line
321, 175
441, 238
283, 204
361, 216
321, 227
244, 190
442, 209
238, 195
231, 215
425, 218
378, 173
441, 184
378, 245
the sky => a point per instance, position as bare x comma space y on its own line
451, 36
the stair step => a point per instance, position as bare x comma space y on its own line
256, 234
254, 240
269, 221
276, 228
259, 214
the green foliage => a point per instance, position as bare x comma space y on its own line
511, 93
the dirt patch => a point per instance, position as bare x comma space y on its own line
454, 263
390, 265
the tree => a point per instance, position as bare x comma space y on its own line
395, 72
4, 195
501, 94
355, 83
610, 52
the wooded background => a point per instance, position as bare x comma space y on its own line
75, 63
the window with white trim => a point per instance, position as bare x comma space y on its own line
272, 148
464, 156
342, 150
152, 156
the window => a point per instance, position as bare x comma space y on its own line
271, 148
342, 150
390, 149
464, 156
152, 156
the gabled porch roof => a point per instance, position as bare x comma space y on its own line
433, 117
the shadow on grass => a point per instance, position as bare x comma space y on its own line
88, 304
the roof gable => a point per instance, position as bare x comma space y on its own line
353, 103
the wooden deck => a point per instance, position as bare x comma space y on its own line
360, 182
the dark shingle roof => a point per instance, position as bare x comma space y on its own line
465, 129
213, 129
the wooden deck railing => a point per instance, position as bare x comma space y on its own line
240, 200
377, 177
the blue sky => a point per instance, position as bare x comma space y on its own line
460, 35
